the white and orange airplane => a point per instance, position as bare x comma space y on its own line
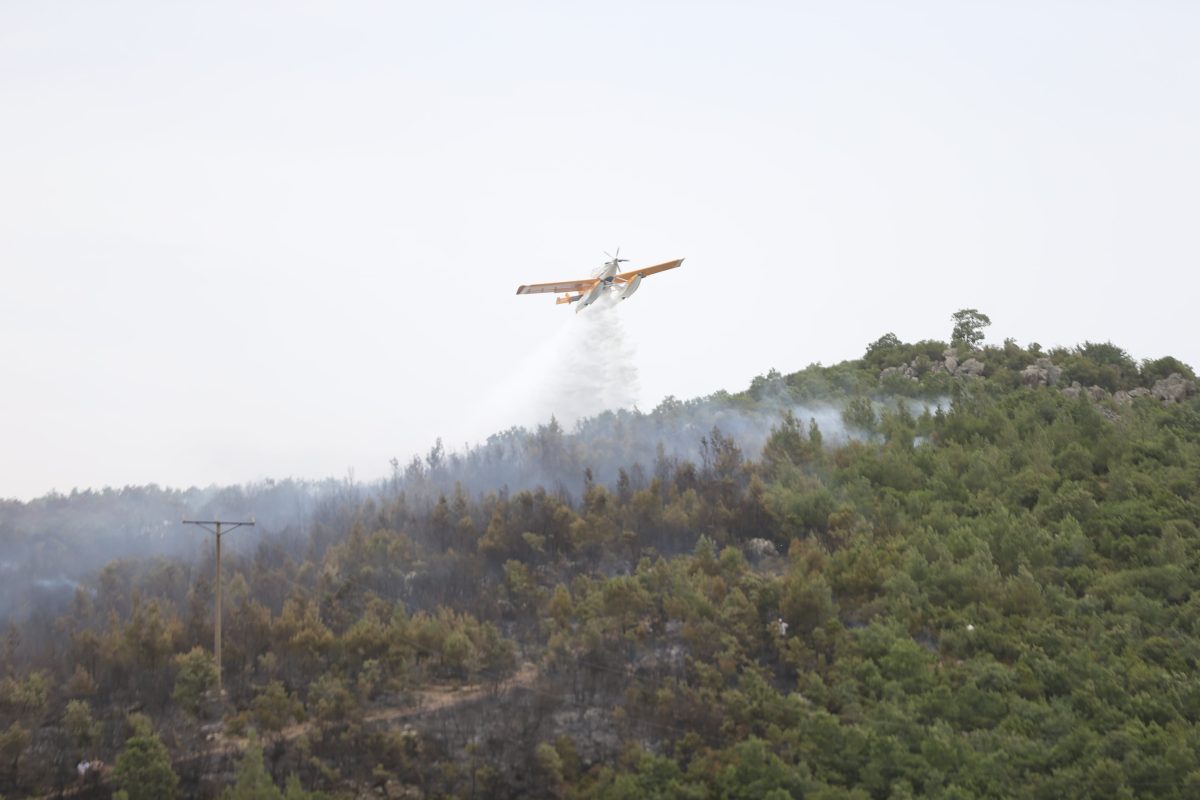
589, 289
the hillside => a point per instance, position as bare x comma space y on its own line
941, 570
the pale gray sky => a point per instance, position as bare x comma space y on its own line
244, 240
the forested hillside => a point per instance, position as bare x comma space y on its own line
49, 543
942, 570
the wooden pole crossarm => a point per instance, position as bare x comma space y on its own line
217, 533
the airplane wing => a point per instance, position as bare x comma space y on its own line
625, 277
561, 286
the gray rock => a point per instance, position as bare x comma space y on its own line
1053, 373
1123, 398
761, 547
1034, 376
1094, 394
898, 372
1042, 372
1173, 389
972, 367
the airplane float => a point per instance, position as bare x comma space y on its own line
588, 290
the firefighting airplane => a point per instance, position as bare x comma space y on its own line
607, 277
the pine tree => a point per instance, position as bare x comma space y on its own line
253, 782
968, 327
78, 721
143, 770
196, 677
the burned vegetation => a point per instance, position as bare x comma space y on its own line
891, 577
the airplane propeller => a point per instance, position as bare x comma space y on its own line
617, 257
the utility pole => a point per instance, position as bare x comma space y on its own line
218, 533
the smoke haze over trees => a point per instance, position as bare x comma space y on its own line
938, 570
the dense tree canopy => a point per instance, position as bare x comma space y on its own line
885, 578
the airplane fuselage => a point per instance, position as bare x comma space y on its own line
604, 279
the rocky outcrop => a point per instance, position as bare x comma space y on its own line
909, 371
1173, 389
1124, 398
1096, 394
971, 368
761, 547
1042, 372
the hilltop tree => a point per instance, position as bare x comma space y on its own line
968, 327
